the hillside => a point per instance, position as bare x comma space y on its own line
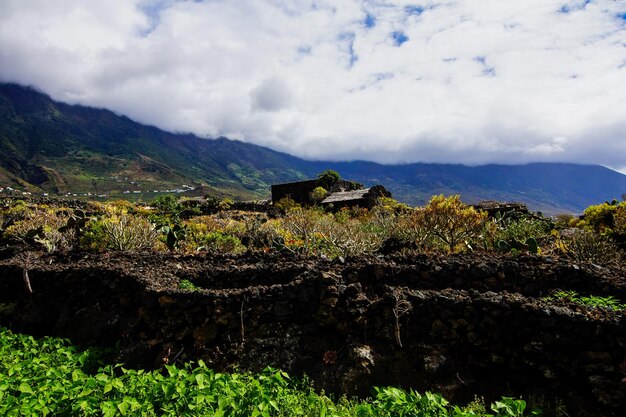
59, 148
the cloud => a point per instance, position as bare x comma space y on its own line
271, 95
470, 81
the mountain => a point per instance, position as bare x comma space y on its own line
62, 148
59, 148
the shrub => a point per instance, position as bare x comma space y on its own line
285, 204
318, 194
599, 218
351, 237
620, 219
124, 232
452, 222
516, 231
216, 242
566, 220
391, 205
44, 226
300, 230
586, 246
258, 233
411, 228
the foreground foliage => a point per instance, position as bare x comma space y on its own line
49, 377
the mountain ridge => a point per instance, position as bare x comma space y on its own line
57, 147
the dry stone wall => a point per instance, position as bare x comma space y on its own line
462, 325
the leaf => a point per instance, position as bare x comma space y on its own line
200, 380
123, 407
108, 409
25, 388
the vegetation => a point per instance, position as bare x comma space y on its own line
586, 246
49, 377
589, 301
445, 224
327, 178
451, 221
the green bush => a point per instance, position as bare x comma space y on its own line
216, 242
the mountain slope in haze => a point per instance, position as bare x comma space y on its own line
51, 146
549, 187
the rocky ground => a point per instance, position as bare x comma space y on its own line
463, 325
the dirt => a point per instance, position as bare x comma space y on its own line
462, 325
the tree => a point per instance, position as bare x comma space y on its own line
327, 178
451, 221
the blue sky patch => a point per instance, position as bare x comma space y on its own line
568, 8
413, 10
399, 37
370, 21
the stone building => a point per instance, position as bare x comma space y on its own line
301, 191
341, 194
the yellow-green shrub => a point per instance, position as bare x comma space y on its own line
121, 232
43, 226
451, 221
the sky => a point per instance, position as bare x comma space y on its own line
453, 81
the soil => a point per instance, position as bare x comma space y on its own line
463, 325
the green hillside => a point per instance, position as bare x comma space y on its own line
60, 148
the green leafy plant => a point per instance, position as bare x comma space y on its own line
185, 284
589, 301
49, 377
173, 235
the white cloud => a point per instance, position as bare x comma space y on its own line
475, 81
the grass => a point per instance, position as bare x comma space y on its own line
50, 377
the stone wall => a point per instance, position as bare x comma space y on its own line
461, 325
